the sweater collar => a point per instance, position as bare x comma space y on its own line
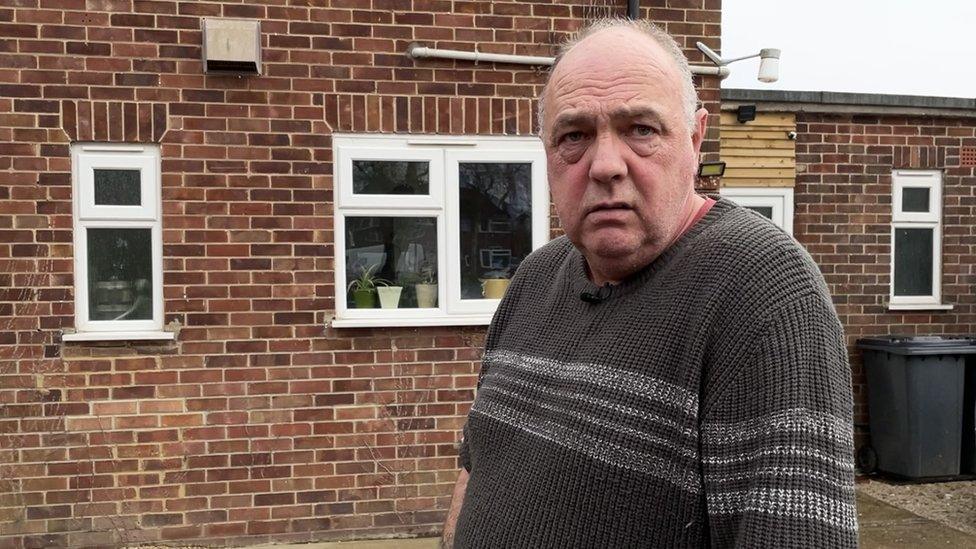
580, 282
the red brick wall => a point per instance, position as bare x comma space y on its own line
843, 218
260, 422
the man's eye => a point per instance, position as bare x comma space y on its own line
642, 130
573, 137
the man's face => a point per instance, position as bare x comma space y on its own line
621, 157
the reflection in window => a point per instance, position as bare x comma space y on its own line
390, 177
913, 262
117, 188
120, 274
395, 251
915, 199
765, 211
496, 224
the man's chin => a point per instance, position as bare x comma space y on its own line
620, 251
612, 242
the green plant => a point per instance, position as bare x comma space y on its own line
367, 280
427, 275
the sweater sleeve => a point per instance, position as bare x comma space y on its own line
776, 435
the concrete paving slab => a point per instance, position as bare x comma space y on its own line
883, 526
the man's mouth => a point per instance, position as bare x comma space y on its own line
609, 206
609, 212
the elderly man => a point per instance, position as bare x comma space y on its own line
671, 373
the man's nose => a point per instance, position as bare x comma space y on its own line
608, 164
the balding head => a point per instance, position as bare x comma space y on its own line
642, 30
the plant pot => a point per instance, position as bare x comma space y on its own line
364, 299
426, 296
390, 296
494, 288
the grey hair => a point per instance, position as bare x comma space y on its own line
652, 31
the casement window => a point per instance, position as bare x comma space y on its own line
118, 242
776, 203
438, 224
916, 240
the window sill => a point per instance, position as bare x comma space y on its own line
119, 336
922, 307
473, 320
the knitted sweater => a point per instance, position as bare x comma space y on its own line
705, 402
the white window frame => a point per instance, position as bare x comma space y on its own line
85, 159
780, 199
444, 154
931, 180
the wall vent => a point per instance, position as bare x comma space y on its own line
231, 46
967, 156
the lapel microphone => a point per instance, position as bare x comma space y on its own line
602, 294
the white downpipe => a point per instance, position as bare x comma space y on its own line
417, 52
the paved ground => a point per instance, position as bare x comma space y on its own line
951, 503
884, 525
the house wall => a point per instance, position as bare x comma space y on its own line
843, 206
260, 422
758, 153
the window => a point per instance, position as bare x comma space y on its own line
437, 224
776, 203
118, 242
916, 239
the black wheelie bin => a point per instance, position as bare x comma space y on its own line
916, 402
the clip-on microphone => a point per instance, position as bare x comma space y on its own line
602, 294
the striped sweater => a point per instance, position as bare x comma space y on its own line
705, 402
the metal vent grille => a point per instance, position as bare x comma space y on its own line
967, 156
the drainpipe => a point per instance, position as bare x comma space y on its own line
417, 51
633, 9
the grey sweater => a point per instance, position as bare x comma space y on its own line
706, 402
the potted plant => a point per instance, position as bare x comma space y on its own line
389, 296
427, 288
495, 283
363, 288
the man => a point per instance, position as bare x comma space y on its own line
671, 373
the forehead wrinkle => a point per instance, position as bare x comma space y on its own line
577, 116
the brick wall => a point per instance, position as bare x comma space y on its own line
260, 422
843, 218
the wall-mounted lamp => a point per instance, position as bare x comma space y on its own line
711, 169
768, 65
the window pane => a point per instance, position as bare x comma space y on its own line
120, 274
117, 188
913, 262
496, 225
915, 199
400, 252
766, 211
390, 177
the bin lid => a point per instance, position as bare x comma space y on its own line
920, 345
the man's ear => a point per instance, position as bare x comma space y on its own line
698, 135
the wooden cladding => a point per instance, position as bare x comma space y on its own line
758, 153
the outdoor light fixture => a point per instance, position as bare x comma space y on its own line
768, 65
711, 169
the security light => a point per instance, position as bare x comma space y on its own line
768, 65
711, 169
